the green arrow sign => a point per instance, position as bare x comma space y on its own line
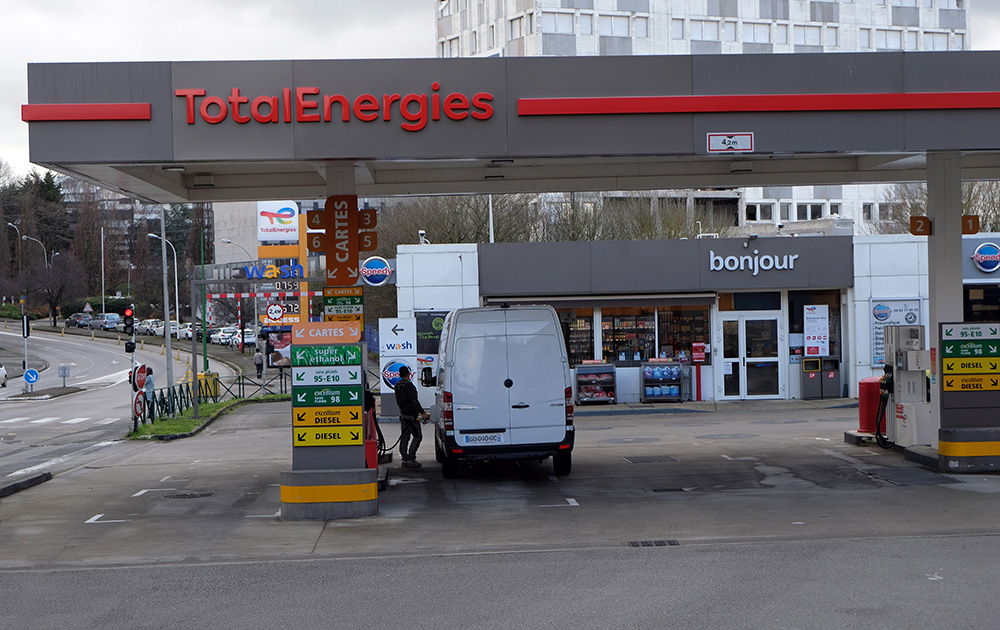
326, 375
306, 356
344, 300
959, 349
326, 396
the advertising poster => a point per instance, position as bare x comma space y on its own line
890, 312
279, 349
816, 326
429, 325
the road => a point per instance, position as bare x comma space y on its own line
749, 519
56, 433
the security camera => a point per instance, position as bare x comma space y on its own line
423, 237
781, 225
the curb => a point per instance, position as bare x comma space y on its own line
202, 426
24, 484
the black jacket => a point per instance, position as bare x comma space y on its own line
406, 399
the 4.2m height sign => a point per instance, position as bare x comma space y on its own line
341, 233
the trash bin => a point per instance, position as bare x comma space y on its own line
812, 379
831, 378
868, 399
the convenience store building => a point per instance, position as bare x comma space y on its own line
729, 310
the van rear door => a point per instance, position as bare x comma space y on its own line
538, 374
480, 402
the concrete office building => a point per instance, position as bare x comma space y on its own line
487, 28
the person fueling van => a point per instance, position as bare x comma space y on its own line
410, 415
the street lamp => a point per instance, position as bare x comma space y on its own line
45, 252
18, 248
256, 321
177, 310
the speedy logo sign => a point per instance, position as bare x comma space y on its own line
375, 271
986, 258
277, 221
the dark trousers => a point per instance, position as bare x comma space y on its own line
260, 370
411, 435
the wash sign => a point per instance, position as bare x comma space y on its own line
397, 336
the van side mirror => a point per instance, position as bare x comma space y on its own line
427, 378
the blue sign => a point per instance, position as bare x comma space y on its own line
375, 271
390, 373
31, 376
987, 257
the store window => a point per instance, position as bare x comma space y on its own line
796, 319
578, 329
751, 301
628, 334
809, 211
680, 327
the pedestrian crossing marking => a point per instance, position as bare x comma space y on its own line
12, 420
43, 420
75, 421
108, 421
50, 419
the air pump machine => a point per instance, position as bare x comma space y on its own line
905, 411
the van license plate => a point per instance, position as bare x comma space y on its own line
484, 438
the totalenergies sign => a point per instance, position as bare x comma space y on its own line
277, 221
309, 105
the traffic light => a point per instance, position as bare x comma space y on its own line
129, 321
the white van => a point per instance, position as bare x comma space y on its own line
502, 388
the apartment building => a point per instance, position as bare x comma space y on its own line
485, 28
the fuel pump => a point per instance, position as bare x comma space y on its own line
904, 411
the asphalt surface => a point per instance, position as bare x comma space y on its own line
710, 516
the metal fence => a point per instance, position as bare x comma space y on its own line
171, 401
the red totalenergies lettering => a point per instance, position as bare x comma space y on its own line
305, 105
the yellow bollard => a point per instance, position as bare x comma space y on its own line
142, 344
91, 334
163, 350
119, 340
178, 356
62, 333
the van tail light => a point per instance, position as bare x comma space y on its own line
569, 406
447, 412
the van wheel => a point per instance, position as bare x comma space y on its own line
449, 467
562, 463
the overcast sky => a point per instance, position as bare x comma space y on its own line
178, 30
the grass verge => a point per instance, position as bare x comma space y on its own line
185, 423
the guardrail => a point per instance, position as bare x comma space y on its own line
170, 401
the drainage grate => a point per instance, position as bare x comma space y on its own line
653, 543
650, 459
666, 490
189, 495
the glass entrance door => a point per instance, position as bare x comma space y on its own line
751, 366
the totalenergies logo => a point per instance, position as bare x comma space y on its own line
310, 104
986, 258
284, 216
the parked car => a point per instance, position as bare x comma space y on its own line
222, 335
3, 376
142, 328
248, 338
211, 331
158, 329
78, 320
105, 321
151, 327
185, 331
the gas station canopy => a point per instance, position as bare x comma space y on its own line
173, 132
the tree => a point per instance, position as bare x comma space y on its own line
61, 279
902, 201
